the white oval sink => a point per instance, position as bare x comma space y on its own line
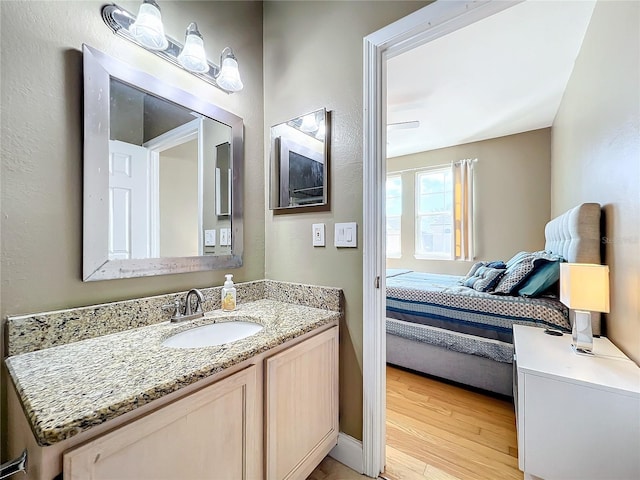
211, 335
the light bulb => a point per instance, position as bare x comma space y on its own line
229, 76
193, 57
148, 29
309, 123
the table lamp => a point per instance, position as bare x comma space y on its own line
584, 287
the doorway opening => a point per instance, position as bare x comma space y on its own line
426, 27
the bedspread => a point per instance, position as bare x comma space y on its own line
436, 309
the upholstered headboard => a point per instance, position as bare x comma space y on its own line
575, 234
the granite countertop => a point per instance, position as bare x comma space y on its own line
67, 389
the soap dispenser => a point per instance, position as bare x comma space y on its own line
228, 294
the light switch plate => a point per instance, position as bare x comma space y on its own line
317, 230
225, 237
210, 238
346, 235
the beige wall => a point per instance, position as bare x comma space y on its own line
313, 59
596, 153
179, 200
41, 97
511, 187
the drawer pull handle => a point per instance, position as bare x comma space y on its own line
14, 466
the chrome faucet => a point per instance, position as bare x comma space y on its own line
198, 312
189, 311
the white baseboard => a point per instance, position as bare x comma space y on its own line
348, 451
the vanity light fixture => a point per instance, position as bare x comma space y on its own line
192, 56
229, 76
147, 31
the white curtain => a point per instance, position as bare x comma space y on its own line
463, 209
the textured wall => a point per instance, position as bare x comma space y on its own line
313, 59
42, 143
511, 186
41, 96
596, 153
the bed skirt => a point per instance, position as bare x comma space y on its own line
463, 368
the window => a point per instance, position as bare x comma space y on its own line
434, 214
394, 215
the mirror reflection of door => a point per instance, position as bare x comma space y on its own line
128, 201
162, 184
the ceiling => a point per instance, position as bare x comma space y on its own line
502, 75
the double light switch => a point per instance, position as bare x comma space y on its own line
346, 234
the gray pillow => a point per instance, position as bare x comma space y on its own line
473, 270
484, 278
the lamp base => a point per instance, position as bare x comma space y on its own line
581, 351
581, 333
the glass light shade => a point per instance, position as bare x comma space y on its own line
229, 76
309, 123
148, 29
193, 57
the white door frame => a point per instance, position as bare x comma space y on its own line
428, 23
187, 132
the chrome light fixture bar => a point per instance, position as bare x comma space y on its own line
224, 76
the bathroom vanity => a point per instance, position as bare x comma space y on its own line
124, 406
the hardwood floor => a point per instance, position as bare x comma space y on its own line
440, 431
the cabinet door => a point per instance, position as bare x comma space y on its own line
211, 434
573, 431
301, 406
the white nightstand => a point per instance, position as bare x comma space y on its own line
578, 416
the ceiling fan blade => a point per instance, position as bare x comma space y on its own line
403, 125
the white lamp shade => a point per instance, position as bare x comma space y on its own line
193, 57
585, 286
148, 29
229, 76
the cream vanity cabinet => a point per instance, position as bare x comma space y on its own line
209, 434
301, 406
272, 416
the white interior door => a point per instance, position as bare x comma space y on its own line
128, 201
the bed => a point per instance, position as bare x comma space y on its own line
439, 327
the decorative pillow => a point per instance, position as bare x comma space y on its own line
545, 275
473, 270
520, 270
484, 278
497, 264
517, 258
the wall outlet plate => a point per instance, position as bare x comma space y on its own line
317, 230
346, 235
